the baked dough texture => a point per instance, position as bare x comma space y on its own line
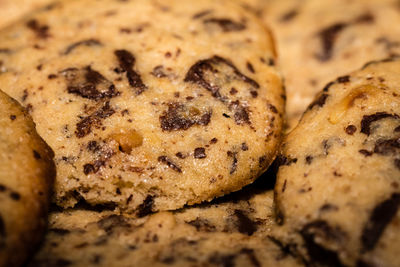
148, 105
231, 231
318, 41
337, 191
26, 176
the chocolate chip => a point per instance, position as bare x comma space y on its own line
84, 127
13, 117
380, 217
320, 101
227, 25
386, 147
328, 37
309, 159
42, 31
146, 207
320, 229
177, 118
213, 141
36, 155
15, 196
158, 72
88, 168
169, 163
244, 147
351, 129
288, 16
245, 224
126, 63
344, 79
233, 155
366, 152
250, 67
367, 120
200, 153
87, 42
88, 83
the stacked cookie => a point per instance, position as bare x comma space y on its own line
157, 112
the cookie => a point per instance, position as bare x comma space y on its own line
143, 102
317, 42
232, 231
26, 175
337, 191
12, 10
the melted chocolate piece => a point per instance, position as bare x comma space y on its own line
146, 207
320, 101
316, 252
84, 127
181, 117
245, 225
88, 42
227, 25
380, 217
42, 31
367, 120
89, 83
126, 63
233, 155
169, 163
200, 153
387, 147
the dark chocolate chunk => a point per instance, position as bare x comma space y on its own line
200, 153
366, 152
59, 231
36, 155
13, 117
84, 127
42, 31
227, 25
250, 67
169, 163
181, 117
282, 160
367, 120
343, 79
380, 217
241, 114
288, 16
88, 83
309, 159
387, 147
320, 101
318, 253
245, 224
328, 37
126, 63
197, 74
88, 168
87, 42
15, 196
244, 147
146, 207
233, 155
158, 72
351, 129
